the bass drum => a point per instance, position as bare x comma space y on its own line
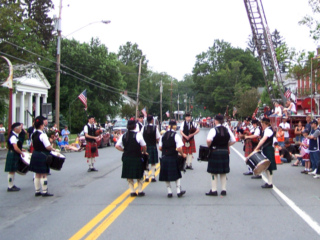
203, 153
56, 160
24, 162
257, 162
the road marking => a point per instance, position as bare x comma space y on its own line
313, 224
109, 219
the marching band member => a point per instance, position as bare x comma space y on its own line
170, 144
151, 136
218, 140
13, 156
91, 147
132, 167
140, 123
254, 137
189, 146
266, 143
246, 128
38, 163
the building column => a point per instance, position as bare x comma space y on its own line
44, 98
38, 105
22, 108
30, 109
14, 107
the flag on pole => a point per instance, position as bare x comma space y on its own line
167, 113
144, 111
287, 94
83, 98
234, 111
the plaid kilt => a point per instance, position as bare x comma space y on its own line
218, 162
88, 153
12, 161
132, 167
191, 149
248, 148
169, 169
38, 162
153, 154
269, 153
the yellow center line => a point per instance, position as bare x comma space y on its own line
98, 218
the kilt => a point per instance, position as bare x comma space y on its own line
247, 147
132, 167
218, 162
88, 153
12, 161
269, 153
38, 162
169, 169
153, 154
191, 149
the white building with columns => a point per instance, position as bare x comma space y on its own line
30, 92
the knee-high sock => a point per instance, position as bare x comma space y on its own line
214, 180
146, 173
269, 176
44, 184
10, 180
130, 182
140, 183
178, 185
169, 187
93, 160
189, 159
223, 180
89, 162
249, 168
37, 184
153, 168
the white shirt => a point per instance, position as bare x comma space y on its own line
2, 130
256, 131
193, 124
278, 109
85, 129
268, 132
177, 139
13, 139
212, 133
44, 138
157, 131
293, 107
139, 139
285, 126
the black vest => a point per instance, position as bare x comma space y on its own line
149, 135
186, 128
221, 140
37, 144
269, 140
91, 132
10, 146
131, 147
169, 144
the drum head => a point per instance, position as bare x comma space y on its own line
57, 154
262, 166
27, 157
254, 152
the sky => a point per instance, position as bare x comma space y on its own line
172, 33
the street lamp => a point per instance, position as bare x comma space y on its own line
58, 29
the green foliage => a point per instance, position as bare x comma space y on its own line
248, 102
311, 21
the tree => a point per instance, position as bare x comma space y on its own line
248, 102
311, 21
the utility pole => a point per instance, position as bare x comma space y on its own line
161, 90
138, 90
171, 100
178, 107
58, 26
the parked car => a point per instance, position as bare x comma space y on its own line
120, 125
104, 139
164, 125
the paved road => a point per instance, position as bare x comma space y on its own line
96, 205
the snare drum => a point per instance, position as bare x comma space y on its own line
182, 163
57, 160
203, 153
24, 162
145, 162
257, 162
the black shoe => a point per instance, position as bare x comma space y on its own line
189, 167
181, 194
267, 186
248, 173
94, 170
210, 193
169, 195
133, 194
223, 193
141, 194
89, 170
13, 189
47, 194
256, 177
37, 194
49, 174
153, 180
146, 180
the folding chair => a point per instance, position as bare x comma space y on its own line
62, 148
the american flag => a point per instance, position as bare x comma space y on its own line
83, 98
287, 94
144, 111
167, 113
